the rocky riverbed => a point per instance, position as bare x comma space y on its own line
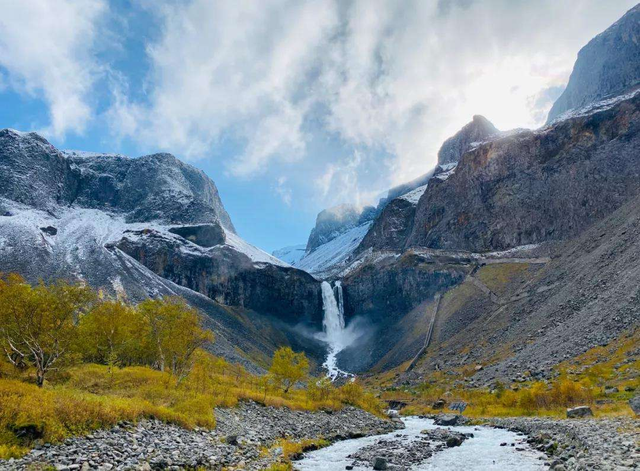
581, 444
238, 442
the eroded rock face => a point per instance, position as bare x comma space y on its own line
33, 172
392, 227
153, 187
478, 130
229, 277
535, 186
608, 65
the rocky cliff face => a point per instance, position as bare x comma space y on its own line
478, 130
608, 65
535, 186
227, 276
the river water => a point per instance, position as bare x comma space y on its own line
480, 453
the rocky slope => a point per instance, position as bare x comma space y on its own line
149, 226
609, 65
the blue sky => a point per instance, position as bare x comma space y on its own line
289, 106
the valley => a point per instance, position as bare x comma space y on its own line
484, 315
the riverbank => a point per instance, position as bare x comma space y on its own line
581, 444
248, 437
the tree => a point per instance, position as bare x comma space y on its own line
288, 367
175, 331
114, 333
37, 324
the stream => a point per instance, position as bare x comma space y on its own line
482, 452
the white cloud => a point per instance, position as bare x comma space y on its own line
45, 51
387, 78
283, 191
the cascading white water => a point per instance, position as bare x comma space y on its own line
333, 326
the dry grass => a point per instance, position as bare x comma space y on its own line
91, 396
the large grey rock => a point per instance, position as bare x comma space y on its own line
607, 66
380, 464
447, 420
579, 412
634, 403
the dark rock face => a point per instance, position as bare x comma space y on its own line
535, 186
203, 235
453, 148
153, 187
379, 296
332, 222
391, 228
33, 172
229, 277
608, 65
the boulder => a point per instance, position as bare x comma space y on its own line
611, 390
439, 404
454, 441
634, 403
380, 463
579, 412
446, 420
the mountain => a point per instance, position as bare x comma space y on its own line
520, 256
148, 227
395, 221
290, 254
607, 66
478, 130
336, 234
500, 255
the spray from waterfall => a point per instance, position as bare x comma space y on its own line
333, 326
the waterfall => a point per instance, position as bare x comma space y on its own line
333, 326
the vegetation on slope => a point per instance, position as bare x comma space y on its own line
74, 362
604, 378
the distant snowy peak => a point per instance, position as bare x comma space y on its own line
290, 254
332, 256
334, 221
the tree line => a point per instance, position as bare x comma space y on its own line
48, 326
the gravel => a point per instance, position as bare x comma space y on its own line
238, 442
581, 444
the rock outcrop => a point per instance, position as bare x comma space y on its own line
608, 65
535, 186
478, 130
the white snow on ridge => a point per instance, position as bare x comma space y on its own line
290, 254
414, 195
334, 252
591, 108
254, 253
